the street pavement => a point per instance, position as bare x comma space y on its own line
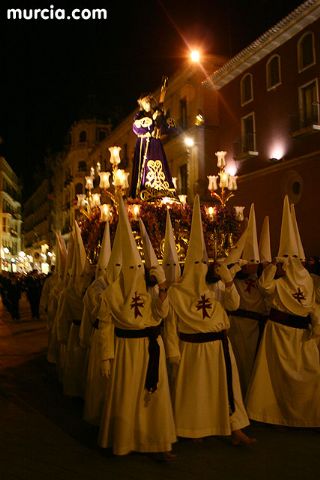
43, 436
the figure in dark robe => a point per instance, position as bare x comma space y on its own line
151, 177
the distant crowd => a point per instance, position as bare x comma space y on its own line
13, 285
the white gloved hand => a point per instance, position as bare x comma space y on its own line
105, 368
158, 273
241, 262
224, 273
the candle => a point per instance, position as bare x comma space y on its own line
95, 202
92, 172
232, 185
98, 167
239, 213
81, 200
136, 211
174, 181
105, 211
221, 158
213, 184
224, 179
211, 212
104, 180
114, 155
89, 182
183, 199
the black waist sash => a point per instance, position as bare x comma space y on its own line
203, 337
152, 376
289, 320
249, 314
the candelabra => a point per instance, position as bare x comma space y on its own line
96, 196
224, 221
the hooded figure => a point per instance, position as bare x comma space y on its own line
81, 276
264, 242
48, 302
247, 322
207, 396
89, 335
137, 414
170, 262
56, 349
288, 353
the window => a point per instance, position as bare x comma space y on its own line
4, 224
82, 166
306, 53
183, 113
248, 134
83, 136
273, 72
309, 104
246, 89
183, 179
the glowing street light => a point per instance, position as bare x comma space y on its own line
195, 56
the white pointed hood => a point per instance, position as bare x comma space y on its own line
288, 243
191, 298
105, 252
251, 249
236, 251
69, 260
82, 271
129, 300
297, 233
150, 257
170, 262
61, 256
264, 242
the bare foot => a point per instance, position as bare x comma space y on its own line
238, 437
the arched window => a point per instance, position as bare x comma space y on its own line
246, 89
78, 188
83, 136
306, 52
273, 72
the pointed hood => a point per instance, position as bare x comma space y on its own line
150, 257
82, 271
69, 260
170, 262
61, 256
115, 260
128, 298
236, 251
297, 233
288, 244
264, 242
196, 263
105, 252
251, 249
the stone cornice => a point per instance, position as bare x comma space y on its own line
280, 33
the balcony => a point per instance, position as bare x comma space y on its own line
306, 122
244, 148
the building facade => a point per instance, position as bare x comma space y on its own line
10, 215
269, 121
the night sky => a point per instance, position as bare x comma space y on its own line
55, 72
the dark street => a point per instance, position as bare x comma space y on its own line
43, 434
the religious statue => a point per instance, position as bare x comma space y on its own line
151, 177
